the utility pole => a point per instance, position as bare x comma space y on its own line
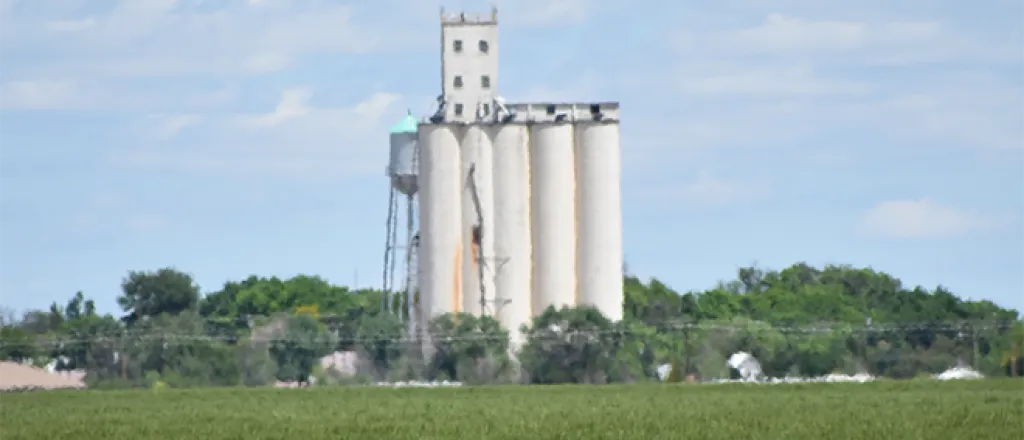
120, 355
864, 344
1014, 354
687, 330
975, 352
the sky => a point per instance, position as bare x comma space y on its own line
229, 138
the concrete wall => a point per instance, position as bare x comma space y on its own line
469, 63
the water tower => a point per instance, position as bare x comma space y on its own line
402, 170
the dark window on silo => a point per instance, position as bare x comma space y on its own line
485, 81
487, 109
457, 45
595, 109
458, 109
484, 47
551, 109
457, 82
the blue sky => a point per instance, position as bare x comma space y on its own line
235, 137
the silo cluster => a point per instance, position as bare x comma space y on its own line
519, 205
520, 211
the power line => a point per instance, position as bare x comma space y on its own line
844, 329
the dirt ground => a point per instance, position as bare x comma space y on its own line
14, 376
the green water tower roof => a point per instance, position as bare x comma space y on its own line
406, 125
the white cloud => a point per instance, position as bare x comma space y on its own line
543, 12
294, 104
168, 126
708, 189
878, 41
831, 72
55, 93
586, 86
295, 140
795, 80
170, 37
38, 95
984, 117
920, 218
106, 211
71, 25
784, 34
512, 13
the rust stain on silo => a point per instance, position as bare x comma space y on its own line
457, 281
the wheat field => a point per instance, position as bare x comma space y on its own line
979, 410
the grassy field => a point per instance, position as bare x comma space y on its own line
977, 410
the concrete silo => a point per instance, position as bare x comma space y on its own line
553, 208
599, 202
456, 196
512, 236
440, 244
477, 220
519, 204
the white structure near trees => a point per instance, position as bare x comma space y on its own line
520, 205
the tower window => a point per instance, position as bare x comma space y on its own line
485, 81
487, 109
457, 82
457, 45
458, 109
484, 47
550, 109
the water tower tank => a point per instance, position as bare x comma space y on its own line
402, 166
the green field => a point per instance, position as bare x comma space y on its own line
976, 410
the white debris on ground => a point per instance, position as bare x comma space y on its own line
419, 384
828, 378
745, 364
959, 373
663, 371
750, 371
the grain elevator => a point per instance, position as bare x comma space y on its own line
519, 204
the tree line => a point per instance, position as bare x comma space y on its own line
800, 320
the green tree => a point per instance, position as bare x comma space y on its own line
149, 294
571, 345
84, 339
17, 345
176, 348
380, 339
469, 348
302, 344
